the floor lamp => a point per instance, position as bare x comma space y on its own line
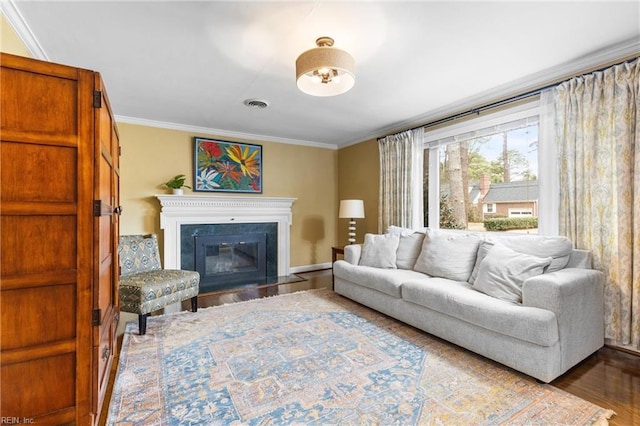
352, 210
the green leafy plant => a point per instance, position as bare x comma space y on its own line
177, 182
508, 223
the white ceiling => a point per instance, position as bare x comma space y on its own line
192, 64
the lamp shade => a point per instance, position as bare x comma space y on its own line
352, 209
325, 70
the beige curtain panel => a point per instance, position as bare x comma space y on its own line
597, 135
401, 194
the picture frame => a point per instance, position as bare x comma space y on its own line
223, 166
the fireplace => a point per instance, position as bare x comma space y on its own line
185, 217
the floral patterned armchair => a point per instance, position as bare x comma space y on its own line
144, 286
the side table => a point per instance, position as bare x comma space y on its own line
335, 251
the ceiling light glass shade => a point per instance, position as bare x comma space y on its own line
325, 70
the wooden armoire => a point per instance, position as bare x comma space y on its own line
59, 198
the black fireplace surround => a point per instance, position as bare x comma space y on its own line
247, 252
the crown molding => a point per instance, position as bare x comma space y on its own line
582, 65
22, 29
221, 132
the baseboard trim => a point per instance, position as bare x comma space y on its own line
309, 268
625, 349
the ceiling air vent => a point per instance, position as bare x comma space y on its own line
256, 103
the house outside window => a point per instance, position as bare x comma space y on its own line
484, 169
521, 212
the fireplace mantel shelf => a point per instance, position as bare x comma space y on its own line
170, 202
177, 210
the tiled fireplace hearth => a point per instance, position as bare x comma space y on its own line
201, 211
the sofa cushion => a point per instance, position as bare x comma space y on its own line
408, 250
502, 272
153, 290
379, 251
459, 300
559, 248
388, 281
448, 254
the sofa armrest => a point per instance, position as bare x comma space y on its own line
576, 296
352, 253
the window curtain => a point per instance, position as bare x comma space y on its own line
401, 196
548, 167
598, 132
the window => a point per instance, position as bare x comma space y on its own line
484, 169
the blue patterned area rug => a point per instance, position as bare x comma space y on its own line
317, 358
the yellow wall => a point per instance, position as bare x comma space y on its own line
359, 178
151, 156
9, 40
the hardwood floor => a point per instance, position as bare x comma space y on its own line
609, 378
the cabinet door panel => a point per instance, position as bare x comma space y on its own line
27, 171
103, 353
44, 321
51, 386
37, 243
106, 236
39, 103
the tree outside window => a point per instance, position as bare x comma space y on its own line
497, 170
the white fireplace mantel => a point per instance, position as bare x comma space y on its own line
177, 210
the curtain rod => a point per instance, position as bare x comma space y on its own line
515, 98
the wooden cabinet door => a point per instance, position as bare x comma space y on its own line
59, 187
105, 232
46, 246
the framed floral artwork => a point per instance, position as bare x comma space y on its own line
222, 166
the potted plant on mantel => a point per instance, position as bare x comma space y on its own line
176, 184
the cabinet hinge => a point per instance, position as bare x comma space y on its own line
97, 208
97, 99
96, 317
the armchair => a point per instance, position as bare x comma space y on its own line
144, 286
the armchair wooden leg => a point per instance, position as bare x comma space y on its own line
194, 304
142, 323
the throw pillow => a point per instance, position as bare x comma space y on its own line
379, 251
448, 254
503, 271
558, 248
392, 229
409, 250
483, 249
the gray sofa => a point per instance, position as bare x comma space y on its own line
532, 303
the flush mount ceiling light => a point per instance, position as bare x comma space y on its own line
325, 70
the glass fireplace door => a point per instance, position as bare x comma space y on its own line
230, 259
